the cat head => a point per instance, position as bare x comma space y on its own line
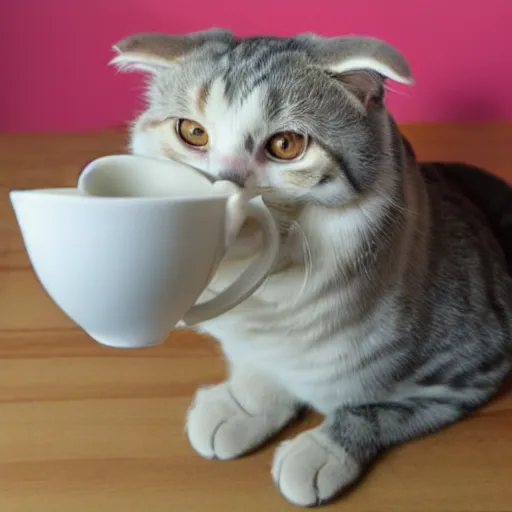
302, 116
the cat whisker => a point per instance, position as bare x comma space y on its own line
395, 91
308, 263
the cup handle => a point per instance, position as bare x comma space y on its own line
252, 277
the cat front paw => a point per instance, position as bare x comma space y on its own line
218, 427
312, 469
237, 208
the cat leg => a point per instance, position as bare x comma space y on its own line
320, 463
236, 416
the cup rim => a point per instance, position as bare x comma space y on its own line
72, 194
134, 160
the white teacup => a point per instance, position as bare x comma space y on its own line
127, 254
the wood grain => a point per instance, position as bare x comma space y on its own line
83, 427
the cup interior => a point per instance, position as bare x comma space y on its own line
136, 176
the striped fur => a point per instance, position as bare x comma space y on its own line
390, 311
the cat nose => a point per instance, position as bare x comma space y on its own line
237, 177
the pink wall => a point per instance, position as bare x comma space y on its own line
55, 52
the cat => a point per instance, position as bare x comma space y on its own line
389, 310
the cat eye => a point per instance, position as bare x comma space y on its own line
192, 133
286, 146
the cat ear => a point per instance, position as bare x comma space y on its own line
362, 64
358, 53
154, 52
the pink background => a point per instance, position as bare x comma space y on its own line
55, 52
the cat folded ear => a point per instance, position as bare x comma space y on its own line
154, 52
361, 64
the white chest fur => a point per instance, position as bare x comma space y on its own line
290, 331
319, 368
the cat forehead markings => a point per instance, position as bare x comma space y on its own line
202, 97
238, 122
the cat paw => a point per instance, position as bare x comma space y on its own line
218, 427
311, 469
237, 208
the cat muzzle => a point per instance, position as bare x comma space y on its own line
236, 177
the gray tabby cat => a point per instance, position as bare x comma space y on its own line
390, 309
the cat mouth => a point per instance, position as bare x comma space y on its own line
233, 176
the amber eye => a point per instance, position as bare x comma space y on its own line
192, 133
286, 145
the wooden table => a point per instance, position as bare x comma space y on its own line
86, 428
